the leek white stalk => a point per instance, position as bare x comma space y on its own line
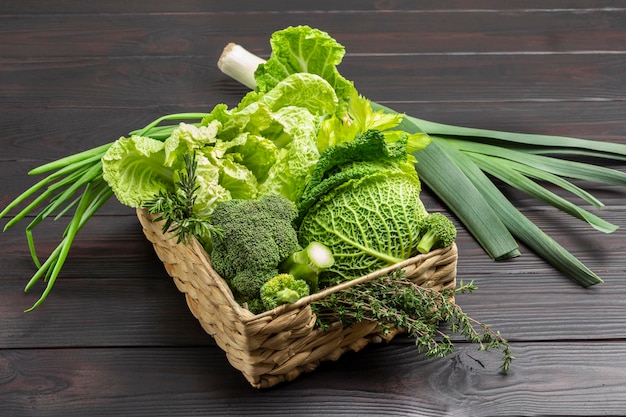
239, 64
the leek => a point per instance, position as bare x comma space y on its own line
456, 165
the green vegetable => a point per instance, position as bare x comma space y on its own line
255, 237
367, 154
371, 220
135, 169
283, 289
265, 145
516, 158
308, 263
273, 134
297, 51
76, 183
437, 232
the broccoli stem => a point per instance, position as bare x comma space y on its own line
439, 232
287, 295
307, 263
427, 242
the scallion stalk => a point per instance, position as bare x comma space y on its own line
75, 183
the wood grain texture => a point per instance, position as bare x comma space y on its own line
131, 82
116, 338
390, 380
421, 32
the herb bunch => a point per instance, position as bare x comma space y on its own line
175, 207
395, 302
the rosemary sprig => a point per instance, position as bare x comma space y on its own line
394, 301
175, 207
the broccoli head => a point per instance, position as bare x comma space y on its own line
437, 232
255, 237
282, 289
248, 282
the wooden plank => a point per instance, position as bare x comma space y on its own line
114, 283
190, 381
601, 120
149, 311
422, 32
36, 135
100, 312
191, 6
196, 81
106, 246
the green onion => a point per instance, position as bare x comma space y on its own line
76, 183
443, 176
504, 170
508, 139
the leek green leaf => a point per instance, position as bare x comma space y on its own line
519, 225
500, 169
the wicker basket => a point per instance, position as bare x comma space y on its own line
280, 344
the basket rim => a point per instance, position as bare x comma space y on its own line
245, 315
312, 298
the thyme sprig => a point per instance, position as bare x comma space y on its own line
394, 301
176, 207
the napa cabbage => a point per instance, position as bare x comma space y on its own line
302, 49
265, 145
135, 169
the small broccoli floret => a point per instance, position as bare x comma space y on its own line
282, 289
438, 232
255, 237
308, 263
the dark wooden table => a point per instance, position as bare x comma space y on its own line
115, 337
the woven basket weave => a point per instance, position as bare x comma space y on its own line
280, 344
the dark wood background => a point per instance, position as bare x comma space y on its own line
116, 338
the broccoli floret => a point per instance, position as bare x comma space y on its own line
255, 237
308, 263
282, 289
248, 282
254, 305
438, 232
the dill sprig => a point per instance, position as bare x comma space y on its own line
395, 302
176, 207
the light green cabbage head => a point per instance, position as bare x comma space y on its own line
297, 157
363, 202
